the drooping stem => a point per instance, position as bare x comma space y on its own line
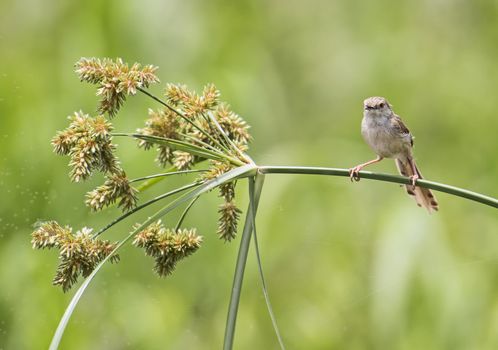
460, 192
254, 187
260, 269
184, 214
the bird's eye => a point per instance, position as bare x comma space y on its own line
381, 105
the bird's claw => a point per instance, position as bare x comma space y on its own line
413, 179
354, 173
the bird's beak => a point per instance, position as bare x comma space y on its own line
367, 108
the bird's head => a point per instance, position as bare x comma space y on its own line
377, 106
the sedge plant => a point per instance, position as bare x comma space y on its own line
192, 133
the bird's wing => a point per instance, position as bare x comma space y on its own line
400, 128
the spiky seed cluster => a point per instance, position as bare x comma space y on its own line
235, 126
161, 123
229, 214
191, 118
166, 246
167, 123
87, 141
228, 220
115, 187
217, 169
115, 79
79, 253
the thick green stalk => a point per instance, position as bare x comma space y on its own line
254, 187
460, 192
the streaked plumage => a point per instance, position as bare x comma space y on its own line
386, 134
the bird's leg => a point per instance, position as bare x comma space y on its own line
415, 175
354, 172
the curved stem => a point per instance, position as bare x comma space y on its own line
260, 177
460, 192
184, 214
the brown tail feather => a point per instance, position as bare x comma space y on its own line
423, 196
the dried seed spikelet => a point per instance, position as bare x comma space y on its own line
236, 127
147, 238
161, 123
87, 141
164, 155
228, 221
210, 96
78, 255
216, 169
178, 94
175, 247
49, 234
183, 160
166, 246
115, 79
192, 105
115, 187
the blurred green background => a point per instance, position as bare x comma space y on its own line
349, 266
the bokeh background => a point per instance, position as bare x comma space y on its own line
349, 266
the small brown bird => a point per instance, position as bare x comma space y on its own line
386, 134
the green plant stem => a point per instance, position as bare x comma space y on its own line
197, 141
260, 268
151, 182
493, 202
184, 214
169, 173
254, 187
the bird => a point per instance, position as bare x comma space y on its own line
388, 136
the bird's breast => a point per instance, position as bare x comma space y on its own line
380, 137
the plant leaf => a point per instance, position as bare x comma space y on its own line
252, 199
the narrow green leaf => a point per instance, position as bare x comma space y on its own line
260, 178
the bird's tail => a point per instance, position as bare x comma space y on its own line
424, 197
